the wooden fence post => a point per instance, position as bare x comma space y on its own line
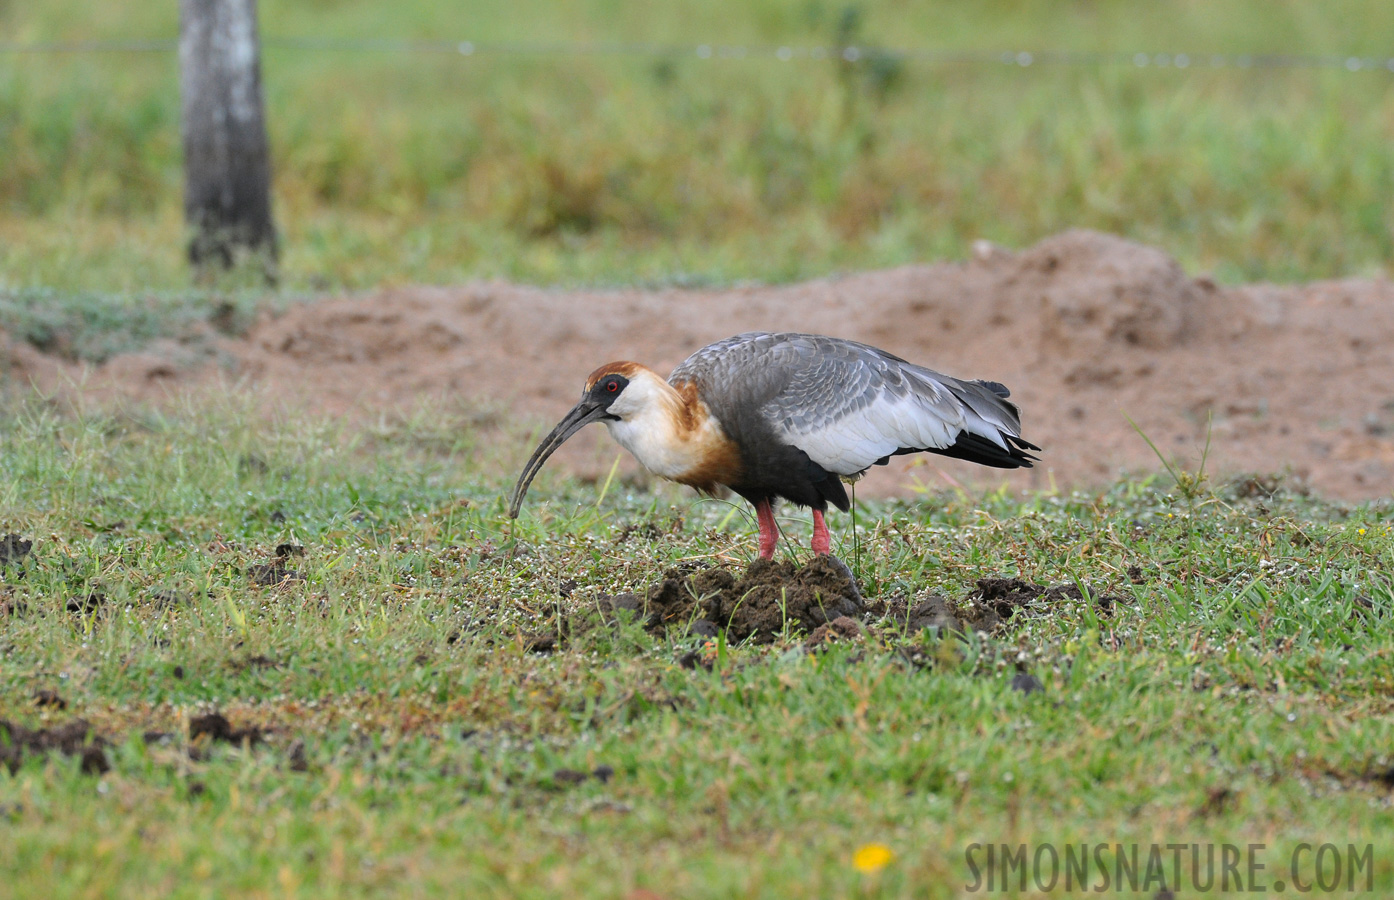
227, 168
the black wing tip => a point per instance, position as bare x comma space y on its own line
1018, 447
1020, 443
978, 449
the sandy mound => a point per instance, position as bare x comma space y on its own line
1085, 328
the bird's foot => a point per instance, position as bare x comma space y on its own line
769, 531
822, 540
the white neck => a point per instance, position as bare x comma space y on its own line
654, 424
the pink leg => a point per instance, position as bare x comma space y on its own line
769, 531
822, 541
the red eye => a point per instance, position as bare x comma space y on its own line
612, 386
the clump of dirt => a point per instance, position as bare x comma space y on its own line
14, 548
941, 615
278, 571
75, 738
840, 629
770, 599
572, 777
214, 727
1027, 683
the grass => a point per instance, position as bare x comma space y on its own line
434, 167
1241, 694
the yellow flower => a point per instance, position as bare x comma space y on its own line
1361, 530
871, 858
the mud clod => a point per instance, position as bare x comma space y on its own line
75, 738
770, 599
704, 628
273, 574
215, 727
839, 629
692, 660
539, 643
936, 613
14, 548
296, 759
1027, 683
278, 572
940, 615
573, 777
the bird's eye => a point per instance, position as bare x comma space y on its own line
612, 386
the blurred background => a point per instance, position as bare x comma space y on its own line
710, 141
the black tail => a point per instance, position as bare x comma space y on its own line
980, 450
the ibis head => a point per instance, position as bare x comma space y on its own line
603, 388
788, 416
668, 429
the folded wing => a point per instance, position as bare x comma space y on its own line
850, 406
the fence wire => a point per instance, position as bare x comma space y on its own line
780, 53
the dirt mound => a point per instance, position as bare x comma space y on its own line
1098, 290
1088, 330
772, 598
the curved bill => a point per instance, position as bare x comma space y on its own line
580, 416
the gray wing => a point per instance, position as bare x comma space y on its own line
849, 405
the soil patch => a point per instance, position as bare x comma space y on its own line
14, 548
991, 606
1087, 329
1005, 596
214, 727
75, 738
772, 598
821, 600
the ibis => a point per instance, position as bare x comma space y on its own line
788, 417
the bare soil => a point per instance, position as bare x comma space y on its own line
772, 598
73, 738
1088, 330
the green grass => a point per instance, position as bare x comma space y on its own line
1241, 694
580, 169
